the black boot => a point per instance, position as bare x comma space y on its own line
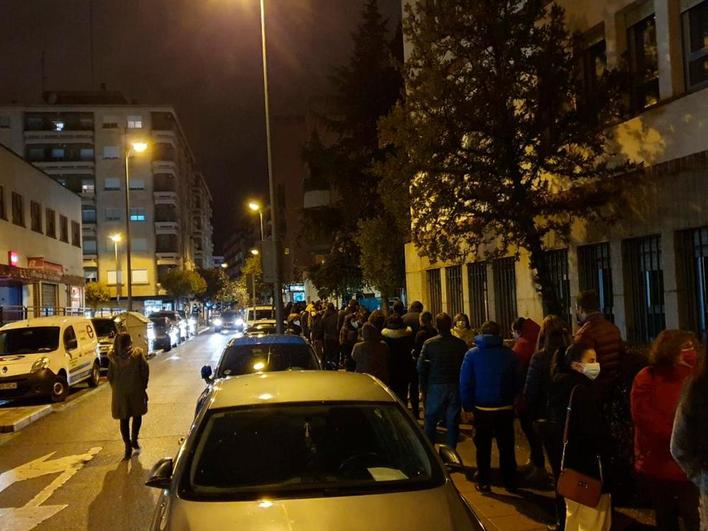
134, 444
128, 451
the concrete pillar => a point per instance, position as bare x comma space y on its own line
445, 305
670, 48
491, 293
466, 303
668, 266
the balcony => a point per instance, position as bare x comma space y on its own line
58, 136
164, 136
164, 166
165, 198
166, 227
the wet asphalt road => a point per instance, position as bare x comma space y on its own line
84, 484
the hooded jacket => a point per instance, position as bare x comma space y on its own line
525, 346
489, 378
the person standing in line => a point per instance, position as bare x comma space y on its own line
348, 336
655, 396
378, 319
412, 317
463, 330
399, 339
371, 356
425, 332
331, 336
490, 382
317, 331
128, 375
439, 370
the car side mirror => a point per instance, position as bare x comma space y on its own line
451, 459
207, 373
161, 474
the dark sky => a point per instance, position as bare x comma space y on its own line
202, 56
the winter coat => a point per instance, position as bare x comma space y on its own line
329, 326
372, 357
348, 334
128, 375
525, 346
655, 396
440, 360
421, 336
490, 377
316, 329
412, 320
603, 336
537, 384
465, 334
400, 345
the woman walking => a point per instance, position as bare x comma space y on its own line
128, 374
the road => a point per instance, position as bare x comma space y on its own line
76, 478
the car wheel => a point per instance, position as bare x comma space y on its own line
60, 388
95, 375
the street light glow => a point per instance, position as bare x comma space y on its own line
224, 265
139, 147
254, 205
116, 237
255, 252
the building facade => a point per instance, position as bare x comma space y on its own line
83, 146
649, 268
40, 242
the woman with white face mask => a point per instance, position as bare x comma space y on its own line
573, 397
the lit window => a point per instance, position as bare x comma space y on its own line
110, 152
137, 214
58, 125
139, 276
135, 122
88, 187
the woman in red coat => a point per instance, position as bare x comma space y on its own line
655, 395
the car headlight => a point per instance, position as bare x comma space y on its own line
41, 363
239, 321
218, 321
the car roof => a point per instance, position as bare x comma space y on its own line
298, 386
55, 320
272, 339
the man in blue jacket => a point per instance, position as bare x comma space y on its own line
489, 384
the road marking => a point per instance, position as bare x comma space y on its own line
33, 512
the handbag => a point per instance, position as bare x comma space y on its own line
575, 485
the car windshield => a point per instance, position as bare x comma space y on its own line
104, 327
229, 315
261, 313
29, 340
159, 322
304, 450
246, 359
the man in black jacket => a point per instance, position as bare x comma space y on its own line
425, 332
439, 369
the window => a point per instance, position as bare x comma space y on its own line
112, 214
3, 212
166, 243
557, 265
135, 122
86, 154
110, 152
91, 274
113, 276
434, 291
453, 289
505, 292
58, 153
4, 122
18, 209
643, 59
110, 122
644, 286
70, 342
63, 229
76, 234
137, 214
479, 297
90, 246
138, 244
595, 274
51, 223
88, 214
695, 31
594, 65
111, 183
692, 251
139, 276
36, 216
137, 184
163, 182
88, 187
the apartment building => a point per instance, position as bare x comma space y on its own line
81, 139
40, 242
650, 268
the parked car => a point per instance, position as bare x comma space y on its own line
176, 321
259, 313
308, 450
46, 356
164, 335
228, 320
106, 331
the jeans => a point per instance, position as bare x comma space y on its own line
125, 429
497, 425
443, 401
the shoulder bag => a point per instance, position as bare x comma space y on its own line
575, 485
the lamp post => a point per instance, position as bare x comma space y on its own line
131, 149
116, 238
255, 206
254, 252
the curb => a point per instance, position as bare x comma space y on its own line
23, 417
203, 330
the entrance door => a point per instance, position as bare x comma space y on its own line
49, 298
10, 301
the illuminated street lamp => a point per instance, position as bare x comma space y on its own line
116, 238
255, 206
224, 265
254, 252
131, 149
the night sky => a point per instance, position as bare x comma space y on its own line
202, 56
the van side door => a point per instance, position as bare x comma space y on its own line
72, 353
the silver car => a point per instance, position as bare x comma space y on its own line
308, 451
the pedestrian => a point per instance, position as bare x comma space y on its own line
351, 308
399, 339
554, 337
378, 319
331, 336
294, 326
525, 332
572, 390
463, 330
348, 336
128, 374
412, 317
655, 396
371, 356
490, 382
439, 372
425, 331
689, 439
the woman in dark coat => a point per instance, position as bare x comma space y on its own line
128, 374
399, 339
371, 355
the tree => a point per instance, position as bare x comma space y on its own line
182, 284
96, 293
382, 263
339, 275
243, 289
495, 138
215, 279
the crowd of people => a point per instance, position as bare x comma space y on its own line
564, 389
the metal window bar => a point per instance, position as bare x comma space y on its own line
557, 264
478, 293
693, 256
505, 292
644, 279
453, 289
434, 291
595, 273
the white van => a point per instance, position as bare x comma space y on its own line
46, 356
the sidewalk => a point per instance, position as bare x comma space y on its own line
533, 507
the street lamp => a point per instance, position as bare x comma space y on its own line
131, 149
224, 265
254, 252
116, 238
255, 206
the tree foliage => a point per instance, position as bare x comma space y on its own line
215, 279
182, 284
384, 268
96, 293
495, 138
243, 287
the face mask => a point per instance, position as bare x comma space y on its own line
689, 357
296, 323
591, 370
355, 324
460, 324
